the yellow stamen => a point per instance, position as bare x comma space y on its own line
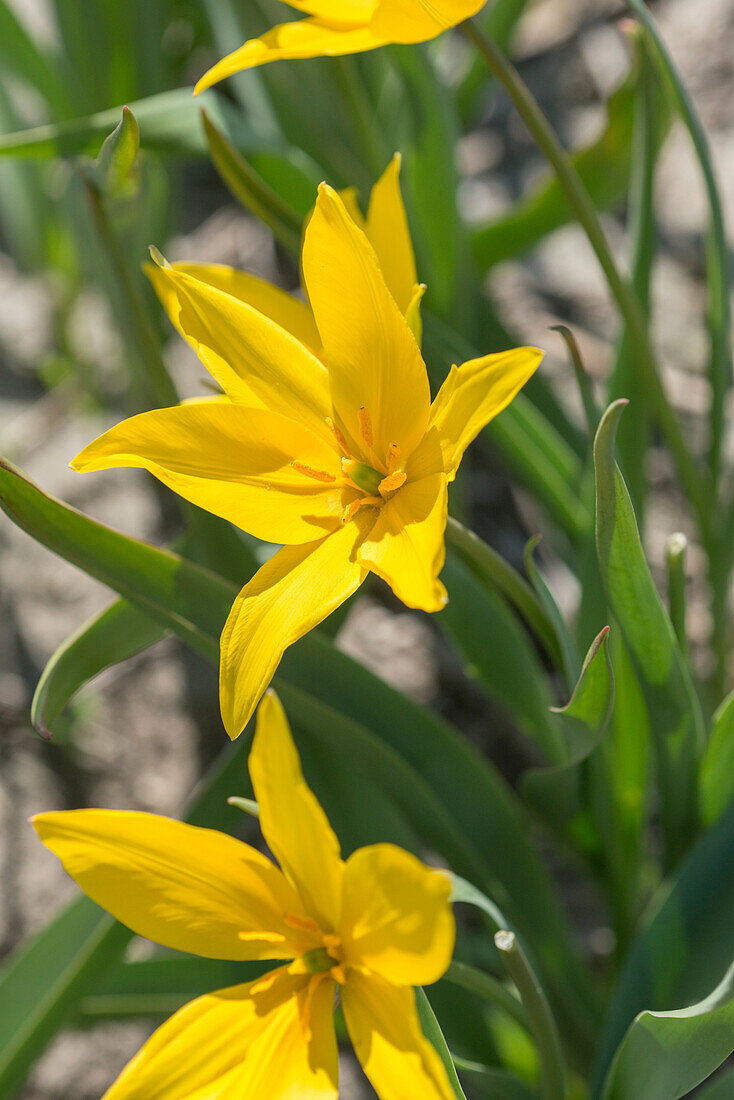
393, 457
392, 482
266, 982
304, 924
339, 437
351, 510
365, 426
310, 471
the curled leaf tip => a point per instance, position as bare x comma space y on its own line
158, 258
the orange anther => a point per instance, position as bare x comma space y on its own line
304, 924
392, 482
309, 471
339, 437
393, 457
351, 510
365, 426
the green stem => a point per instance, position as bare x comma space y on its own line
697, 488
675, 557
153, 382
488, 564
583, 381
487, 987
542, 1024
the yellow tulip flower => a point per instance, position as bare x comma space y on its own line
338, 454
372, 927
344, 26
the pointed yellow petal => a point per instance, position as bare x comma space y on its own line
244, 1041
235, 462
348, 195
388, 233
181, 886
290, 313
469, 398
287, 597
338, 12
406, 545
306, 38
373, 359
255, 360
396, 918
293, 823
384, 1028
419, 20
413, 312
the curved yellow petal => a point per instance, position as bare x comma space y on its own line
305, 38
338, 12
386, 1034
287, 597
469, 398
420, 20
235, 462
184, 887
255, 361
373, 359
389, 235
245, 1041
290, 313
406, 545
293, 823
396, 918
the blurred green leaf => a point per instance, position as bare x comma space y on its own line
685, 945
674, 710
720, 1089
20, 56
666, 1054
432, 1031
115, 634
717, 767
604, 167
569, 663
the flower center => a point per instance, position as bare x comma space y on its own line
364, 477
317, 961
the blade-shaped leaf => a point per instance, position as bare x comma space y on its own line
666, 1054
717, 767
673, 707
432, 1031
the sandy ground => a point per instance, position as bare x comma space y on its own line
135, 742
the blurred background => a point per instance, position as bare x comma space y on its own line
139, 737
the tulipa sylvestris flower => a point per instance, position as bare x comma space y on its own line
334, 451
371, 926
334, 27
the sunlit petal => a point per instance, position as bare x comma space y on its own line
384, 1028
389, 235
419, 20
233, 461
396, 918
246, 1041
293, 823
184, 887
287, 597
470, 397
406, 545
373, 358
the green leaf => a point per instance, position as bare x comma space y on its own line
114, 170
686, 943
565, 643
20, 56
717, 767
720, 1089
604, 167
558, 794
673, 707
432, 1031
495, 1084
169, 123
666, 1054
120, 631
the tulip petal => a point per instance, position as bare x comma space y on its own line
293, 823
406, 545
254, 360
396, 918
389, 235
469, 398
338, 12
235, 462
290, 313
384, 1028
305, 38
373, 358
244, 1041
420, 20
287, 597
184, 887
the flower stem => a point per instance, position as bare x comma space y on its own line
542, 1024
489, 988
696, 485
